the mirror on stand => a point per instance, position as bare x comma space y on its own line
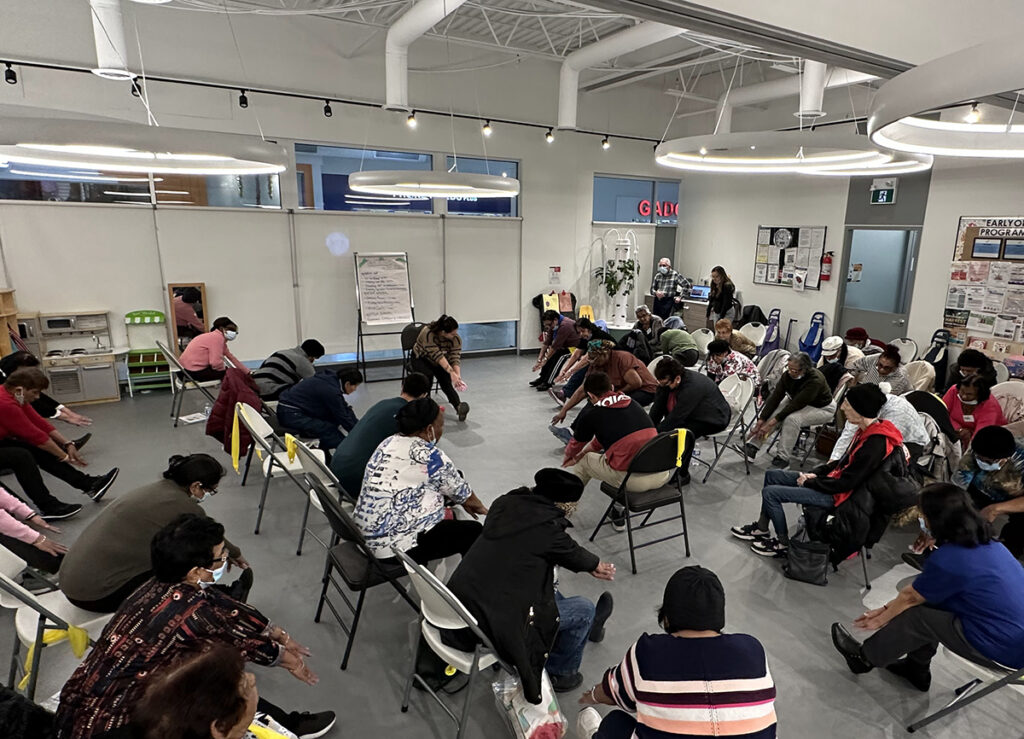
188, 311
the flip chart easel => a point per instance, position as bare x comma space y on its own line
383, 298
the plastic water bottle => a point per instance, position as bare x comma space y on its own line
207, 409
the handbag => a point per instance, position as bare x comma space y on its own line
527, 721
827, 441
807, 561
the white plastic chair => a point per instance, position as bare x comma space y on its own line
263, 436
1002, 372
755, 332
36, 613
654, 362
908, 349
702, 337
312, 461
922, 375
182, 382
440, 609
739, 393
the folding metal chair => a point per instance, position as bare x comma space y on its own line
312, 462
907, 347
966, 695
837, 398
351, 558
741, 390
440, 609
264, 438
181, 381
660, 454
34, 614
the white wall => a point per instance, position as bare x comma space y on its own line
718, 220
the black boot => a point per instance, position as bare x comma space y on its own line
851, 650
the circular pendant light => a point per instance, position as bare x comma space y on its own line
412, 183
953, 84
130, 147
823, 152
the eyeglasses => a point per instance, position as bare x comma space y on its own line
885, 367
220, 560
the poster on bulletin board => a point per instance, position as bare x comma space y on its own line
789, 256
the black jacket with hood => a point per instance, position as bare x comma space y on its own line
506, 580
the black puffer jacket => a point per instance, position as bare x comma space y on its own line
861, 519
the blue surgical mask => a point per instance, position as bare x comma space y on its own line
988, 466
207, 494
217, 575
230, 335
663, 270
924, 526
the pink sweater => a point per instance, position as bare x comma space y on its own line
209, 350
12, 513
987, 413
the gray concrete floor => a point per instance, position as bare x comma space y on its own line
503, 442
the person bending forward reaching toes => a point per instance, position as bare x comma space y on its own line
438, 353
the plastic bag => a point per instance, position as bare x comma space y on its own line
528, 721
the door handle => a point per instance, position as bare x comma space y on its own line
899, 322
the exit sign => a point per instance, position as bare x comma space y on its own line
883, 191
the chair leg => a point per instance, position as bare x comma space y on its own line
302, 531
15, 653
686, 531
600, 523
864, 567
629, 536
263, 495
176, 407
248, 462
37, 660
412, 667
964, 698
323, 591
352, 631
469, 693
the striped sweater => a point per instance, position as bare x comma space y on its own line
681, 687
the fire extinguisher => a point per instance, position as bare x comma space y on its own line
826, 266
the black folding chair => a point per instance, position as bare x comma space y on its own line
965, 695
352, 559
660, 454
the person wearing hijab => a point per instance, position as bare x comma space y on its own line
507, 579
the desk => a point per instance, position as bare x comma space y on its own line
694, 315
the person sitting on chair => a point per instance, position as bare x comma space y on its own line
407, 484
971, 362
316, 407
903, 416
111, 557
378, 423
972, 407
606, 435
724, 361
287, 368
507, 580
884, 367
205, 354
969, 597
643, 337
828, 485
575, 368
738, 342
22, 532
837, 360
560, 335
679, 344
173, 613
736, 696
858, 338
438, 353
44, 405
628, 375
810, 403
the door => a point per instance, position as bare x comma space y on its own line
879, 280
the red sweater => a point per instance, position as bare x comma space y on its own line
21, 421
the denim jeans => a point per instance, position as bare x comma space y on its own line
574, 381
780, 487
575, 617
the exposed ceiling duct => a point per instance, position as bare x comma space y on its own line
623, 42
812, 91
784, 87
108, 35
415, 22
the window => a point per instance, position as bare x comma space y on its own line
478, 337
627, 200
323, 173
470, 206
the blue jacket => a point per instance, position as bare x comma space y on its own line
320, 397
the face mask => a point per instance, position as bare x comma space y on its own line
230, 335
663, 270
832, 360
207, 494
217, 575
965, 401
924, 527
965, 373
988, 466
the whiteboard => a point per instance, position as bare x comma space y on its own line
382, 287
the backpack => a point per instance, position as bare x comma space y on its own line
937, 354
810, 342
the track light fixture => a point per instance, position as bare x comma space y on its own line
974, 115
550, 136
243, 99
605, 143
136, 92
487, 130
327, 109
411, 120
10, 76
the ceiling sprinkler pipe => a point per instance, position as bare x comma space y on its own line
812, 90
108, 36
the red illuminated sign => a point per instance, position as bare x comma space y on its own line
663, 209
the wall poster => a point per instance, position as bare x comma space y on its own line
789, 256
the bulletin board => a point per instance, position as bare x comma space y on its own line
789, 256
984, 307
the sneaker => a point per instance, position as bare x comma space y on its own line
81, 441
564, 435
101, 485
851, 650
463, 410
588, 723
780, 462
750, 532
557, 394
917, 675
769, 548
312, 725
750, 451
565, 683
61, 511
543, 387
602, 610
618, 517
